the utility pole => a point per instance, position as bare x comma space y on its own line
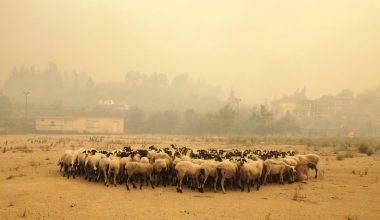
26, 93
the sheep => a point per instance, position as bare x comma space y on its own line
113, 168
62, 159
69, 163
123, 161
81, 159
274, 167
161, 168
144, 160
226, 170
192, 170
209, 168
103, 168
198, 161
313, 160
173, 165
250, 171
145, 170
92, 164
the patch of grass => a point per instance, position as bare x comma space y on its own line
5, 150
349, 154
366, 148
267, 216
24, 149
340, 157
33, 163
24, 214
297, 196
45, 148
12, 176
351, 217
362, 148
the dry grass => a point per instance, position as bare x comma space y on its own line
14, 176
351, 217
24, 149
297, 196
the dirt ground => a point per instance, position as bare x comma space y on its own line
31, 187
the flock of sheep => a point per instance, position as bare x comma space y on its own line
195, 168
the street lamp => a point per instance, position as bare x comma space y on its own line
26, 93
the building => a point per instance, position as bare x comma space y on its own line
84, 125
283, 107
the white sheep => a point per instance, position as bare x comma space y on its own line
92, 164
113, 168
69, 164
144, 170
250, 171
227, 170
161, 168
209, 167
276, 167
103, 168
192, 170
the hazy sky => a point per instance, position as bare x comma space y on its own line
260, 48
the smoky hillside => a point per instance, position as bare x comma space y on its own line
155, 103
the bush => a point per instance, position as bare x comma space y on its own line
370, 151
363, 148
340, 157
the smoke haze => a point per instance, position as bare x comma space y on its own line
262, 49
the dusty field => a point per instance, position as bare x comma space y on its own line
32, 188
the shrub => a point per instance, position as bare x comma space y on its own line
370, 151
340, 157
363, 148
351, 217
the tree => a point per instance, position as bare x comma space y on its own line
5, 106
226, 118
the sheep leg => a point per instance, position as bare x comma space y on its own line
242, 186
127, 182
67, 172
257, 184
158, 179
114, 179
133, 183
106, 180
222, 183
179, 189
265, 177
200, 189
165, 180
215, 182
151, 181
73, 173
281, 179
97, 179
142, 180
316, 171
64, 171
